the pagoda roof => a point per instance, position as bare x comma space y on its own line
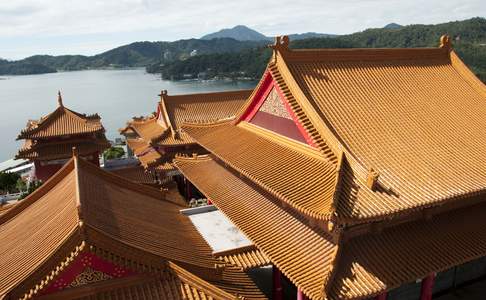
61, 122
400, 128
164, 128
136, 174
353, 264
34, 150
307, 183
84, 207
246, 257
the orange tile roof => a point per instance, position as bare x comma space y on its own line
304, 255
176, 283
82, 204
203, 107
61, 150
61, 122
147, 128
356, 266
137, 145
422, 201
420, 105
164, 130
246, 258
136, 174
276, 167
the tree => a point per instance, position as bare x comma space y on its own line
8, 181
114, 152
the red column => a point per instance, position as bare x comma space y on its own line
277, 284
381, 296
300, 295
188, 190
427, 285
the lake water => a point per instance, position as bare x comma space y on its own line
117, 95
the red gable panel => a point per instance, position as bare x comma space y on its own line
86, 268
270, 110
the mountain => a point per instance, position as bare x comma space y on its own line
309, 35
469, 41
243, 33
239, 33
392, 26
138, 54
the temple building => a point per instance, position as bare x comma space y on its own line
49, 140
156, 139
358, 173
89, 234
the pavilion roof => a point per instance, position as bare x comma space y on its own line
415, 134
61, 122
163, 129
354, 264
61, 149
136, 174
305, 256
263, 160
82, 204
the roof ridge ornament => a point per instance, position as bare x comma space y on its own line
372, 179
445, 42
281, 42
163, 93
59, 99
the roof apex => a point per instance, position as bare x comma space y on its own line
59, 99
445, 42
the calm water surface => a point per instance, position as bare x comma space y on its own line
116, 95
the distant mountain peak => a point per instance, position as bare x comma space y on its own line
393, 26
239, 32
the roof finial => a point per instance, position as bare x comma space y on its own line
281, 43
445, 42
372, 179
59, 98
75, 152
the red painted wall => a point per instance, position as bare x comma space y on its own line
44, 171
279, 125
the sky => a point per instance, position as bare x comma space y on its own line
88, 27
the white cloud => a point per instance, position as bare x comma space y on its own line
121, 21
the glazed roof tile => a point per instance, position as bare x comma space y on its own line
409, 114
61, 150
61, 122
372, 263
360, 265
164, 129
246, 258
82, 203
304, 255
136, 174
305, 181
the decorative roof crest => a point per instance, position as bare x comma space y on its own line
372, 179
281, 43
59, 99
445, 42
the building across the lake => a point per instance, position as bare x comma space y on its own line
358, 173
49, 140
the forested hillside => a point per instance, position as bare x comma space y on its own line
469, 41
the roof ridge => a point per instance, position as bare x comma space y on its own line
125, 183
38, 193
211, 123
205, 95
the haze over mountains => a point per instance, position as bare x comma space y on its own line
241, 50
